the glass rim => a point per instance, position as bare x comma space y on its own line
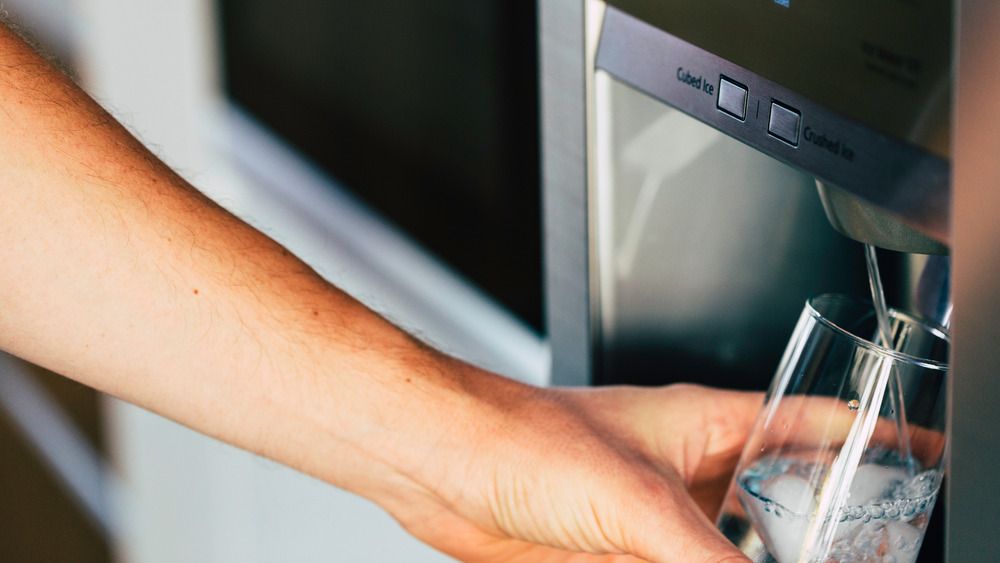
930, 327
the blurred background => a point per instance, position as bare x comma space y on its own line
393, 145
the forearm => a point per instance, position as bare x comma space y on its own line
121, 276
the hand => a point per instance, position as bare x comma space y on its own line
587, 476
167, 301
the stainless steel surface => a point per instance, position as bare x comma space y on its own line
973, 516
705, 248
783, 123
895, 175
733, 98
564, 177
865, 222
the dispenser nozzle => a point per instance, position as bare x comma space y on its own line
864, 222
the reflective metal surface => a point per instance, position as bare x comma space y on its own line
564, 177
705, 248
887, 171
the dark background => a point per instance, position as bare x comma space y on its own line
426, 110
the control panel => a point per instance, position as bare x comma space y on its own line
892, 173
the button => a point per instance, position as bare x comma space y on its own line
732, 98
784, 123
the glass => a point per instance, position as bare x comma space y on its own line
846, 458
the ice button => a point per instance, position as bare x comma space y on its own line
732, 98
784, 123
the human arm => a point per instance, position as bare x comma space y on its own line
120, 275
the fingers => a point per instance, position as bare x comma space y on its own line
696, 432
817, 423
664, 528
583, 472
680, 424
619, 494
453, 535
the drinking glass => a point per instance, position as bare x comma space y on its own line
847, 455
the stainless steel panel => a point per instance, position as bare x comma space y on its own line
706, 248
564, 181
974, 475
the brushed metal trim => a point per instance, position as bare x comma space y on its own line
564, 190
